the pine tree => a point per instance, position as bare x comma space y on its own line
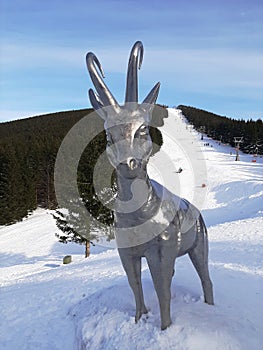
67, 224
79, 227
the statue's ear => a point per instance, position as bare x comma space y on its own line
158, 114
153, 94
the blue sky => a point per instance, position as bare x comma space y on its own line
207, 54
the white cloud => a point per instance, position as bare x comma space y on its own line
229, 72
210, 66
19, 56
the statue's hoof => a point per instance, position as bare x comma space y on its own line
166, 325
139, 315
210, 301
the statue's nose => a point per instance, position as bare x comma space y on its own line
132, 163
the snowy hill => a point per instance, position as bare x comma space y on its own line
88, 303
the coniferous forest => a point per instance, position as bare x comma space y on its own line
28, 149
225, 129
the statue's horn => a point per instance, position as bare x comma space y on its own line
135, 62
105, 98
96, 103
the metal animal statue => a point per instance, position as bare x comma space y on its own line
150, 221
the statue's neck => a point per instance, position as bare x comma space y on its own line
136, 197
126, 185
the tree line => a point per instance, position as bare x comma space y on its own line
225, 129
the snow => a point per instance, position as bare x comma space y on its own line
88, 304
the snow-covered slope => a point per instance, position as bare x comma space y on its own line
88, 303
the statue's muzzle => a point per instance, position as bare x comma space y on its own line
129, 167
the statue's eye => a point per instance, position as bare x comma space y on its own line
109, 141
143, 130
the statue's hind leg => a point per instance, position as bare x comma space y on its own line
199, 258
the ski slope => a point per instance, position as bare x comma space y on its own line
88, 304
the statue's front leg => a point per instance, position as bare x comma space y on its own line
162, 268
132, 267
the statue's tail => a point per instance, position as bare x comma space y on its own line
202, 224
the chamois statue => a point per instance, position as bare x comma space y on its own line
149, 220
